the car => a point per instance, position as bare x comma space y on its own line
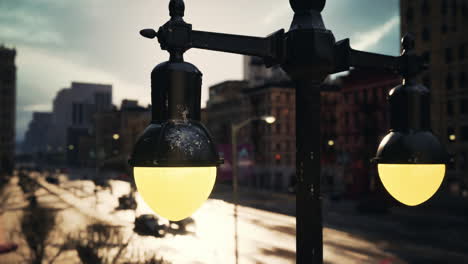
182, 227
127, 202
52, 180
149, 225
104, 183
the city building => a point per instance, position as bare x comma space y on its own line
363, 120
73, 109
267, 153
37, 136
7, 108
442, 37
115, 134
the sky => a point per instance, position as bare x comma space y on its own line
60, 41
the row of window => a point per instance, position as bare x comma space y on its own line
461, 53
448, 54
444, 9
426, 33
450, 82
282, 97
365, 96
463, 107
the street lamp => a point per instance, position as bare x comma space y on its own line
411, 159
175, 158
308, 53
234, 129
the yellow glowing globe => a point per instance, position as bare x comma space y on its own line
411, 184
174, 193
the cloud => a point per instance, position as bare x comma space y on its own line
279, 12
365, 40
38, 108
93, 41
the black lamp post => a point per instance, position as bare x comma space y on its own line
308, 52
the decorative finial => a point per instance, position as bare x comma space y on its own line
148, 33
300, 6
408, 42
176, 8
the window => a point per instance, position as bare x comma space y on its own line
462, 80
410, 15
425, 9
462, 51
463, 106
454, 8
448, 55
356, 119
427, 57
444, 7
427, 81
464, 133
426, 34
449, 82
449, 108
463, 160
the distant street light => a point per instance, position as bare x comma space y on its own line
116, 136
269, 119
71, 147
452, 137
175, 157
331, 143
234, 130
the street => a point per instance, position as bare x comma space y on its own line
264, 236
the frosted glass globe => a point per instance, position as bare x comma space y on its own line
174, 193
411, 184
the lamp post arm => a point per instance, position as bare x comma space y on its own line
407, 64
181, 36
269, 48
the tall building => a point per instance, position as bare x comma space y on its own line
38, 134
271, 149
114, 133
74, 107
442, 37
363, 122
7, 108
